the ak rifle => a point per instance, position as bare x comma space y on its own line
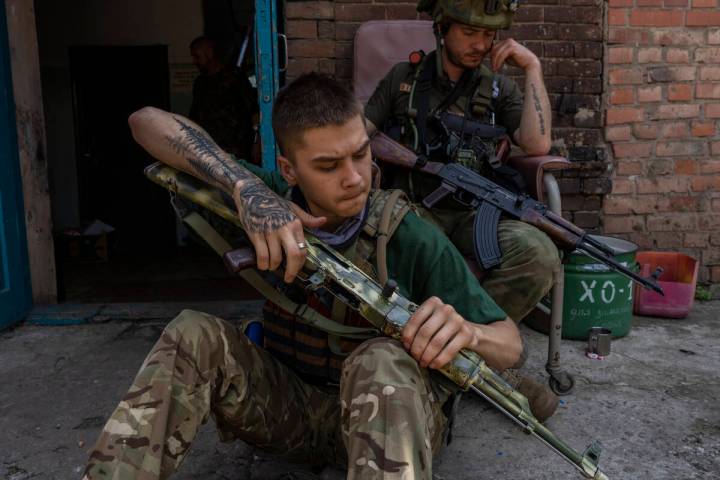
388, 311
491, 200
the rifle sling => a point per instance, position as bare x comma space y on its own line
308, 315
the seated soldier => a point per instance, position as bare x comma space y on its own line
382, 415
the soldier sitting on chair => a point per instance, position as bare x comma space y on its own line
375, 406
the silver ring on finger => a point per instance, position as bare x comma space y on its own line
302, 245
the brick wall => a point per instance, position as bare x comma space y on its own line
663, 107
566, 34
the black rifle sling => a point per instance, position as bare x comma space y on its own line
422, 98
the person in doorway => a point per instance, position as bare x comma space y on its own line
414, 103
381, 411
224, 102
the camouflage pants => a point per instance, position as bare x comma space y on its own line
385, 422
529, 259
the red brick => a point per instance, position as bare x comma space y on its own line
675, 130
617, 16
698, 240
707, 55
620, 3
675, 149
298, 66
656, 18
710, 166
649, 3
359, 13
311, 48
677, 111
634, 36
580, 32
621, 76
635, 204
671, 74
649, 55
704, 183
630, 168
676, 55
702, 18
618, 133
710, 73
620, 96
662, 184
704, 3
649, 94
685, 203
707, 90
326, 29
401, 12
620, 55
680, 92
670, 222
634, 150
302, 29
677, 38
310, 10
345, 30
715, 148
703, 129
622, 224
709, 222
715, 274
712, 110
621, 186
676, 3
645, 131
686, 166
624, 115
714, 37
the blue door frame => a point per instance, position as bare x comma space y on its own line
15, 291
266, 74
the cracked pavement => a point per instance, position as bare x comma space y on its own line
651, 403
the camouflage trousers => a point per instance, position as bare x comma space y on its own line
529, 259
384, 422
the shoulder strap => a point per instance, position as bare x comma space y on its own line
387, 209
483, 92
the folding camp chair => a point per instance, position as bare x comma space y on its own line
379, 45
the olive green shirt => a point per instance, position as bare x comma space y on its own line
423, 262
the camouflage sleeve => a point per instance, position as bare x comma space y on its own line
509, 105
424, 263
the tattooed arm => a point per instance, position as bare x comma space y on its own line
273, 224
533, 135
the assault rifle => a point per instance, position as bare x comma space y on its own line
491, 200
388, 311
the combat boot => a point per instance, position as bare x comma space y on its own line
543, 402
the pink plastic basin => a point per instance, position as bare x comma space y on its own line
677, 281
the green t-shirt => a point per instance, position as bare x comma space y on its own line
423, 262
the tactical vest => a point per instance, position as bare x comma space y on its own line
451, 146
315, 354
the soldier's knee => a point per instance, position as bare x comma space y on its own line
525, 244
191, 325
381, 359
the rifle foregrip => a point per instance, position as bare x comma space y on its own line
485, 236
240, 259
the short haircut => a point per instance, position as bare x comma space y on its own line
311, 101
197, 41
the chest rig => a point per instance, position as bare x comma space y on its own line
469, 137
317, 349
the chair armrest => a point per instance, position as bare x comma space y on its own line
533, 168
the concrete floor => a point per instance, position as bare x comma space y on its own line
652, 403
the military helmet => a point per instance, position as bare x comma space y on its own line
491, 14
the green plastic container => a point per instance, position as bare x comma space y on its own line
594, 295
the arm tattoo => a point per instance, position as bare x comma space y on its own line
262, 211
538, 108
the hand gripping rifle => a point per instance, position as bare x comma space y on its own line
382, 306
388, 311
491, 200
